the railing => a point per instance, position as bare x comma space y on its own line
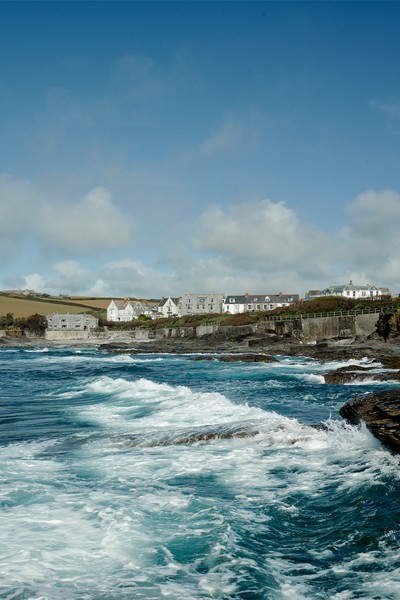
339, 313
292, 317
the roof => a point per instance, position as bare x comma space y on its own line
164, 300
349, 287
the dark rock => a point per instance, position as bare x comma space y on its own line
248, 358
352, 373
390, 362
388, 326
118, 348
380, 412
192, 436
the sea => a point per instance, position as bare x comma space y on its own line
155, 476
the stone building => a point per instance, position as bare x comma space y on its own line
71, 322
198, 304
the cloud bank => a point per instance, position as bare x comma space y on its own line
86, 246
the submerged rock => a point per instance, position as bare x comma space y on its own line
191, 436
380, 412
248, 358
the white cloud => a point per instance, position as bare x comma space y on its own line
391, 109
70, 277
18, 199
371, 236
254, 246
138, 78
133, 278
80, 227
90, 225
263, 234
225, 138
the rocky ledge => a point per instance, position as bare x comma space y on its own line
356, 373
380, 412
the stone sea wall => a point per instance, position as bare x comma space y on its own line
325, 328
310, 329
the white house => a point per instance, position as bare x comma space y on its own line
168, 307
127, 310
353, 291
235, 304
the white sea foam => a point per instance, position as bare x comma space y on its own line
184, 521
373, 382
311, 378
144, 404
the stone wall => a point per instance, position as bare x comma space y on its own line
59, 336
325, 328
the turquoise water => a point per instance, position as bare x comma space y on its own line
100, 502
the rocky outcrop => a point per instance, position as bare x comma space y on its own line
356, 373
380, 412
388, 326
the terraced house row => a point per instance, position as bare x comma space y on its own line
212, 303
197, 304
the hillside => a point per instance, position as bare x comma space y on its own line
24, 307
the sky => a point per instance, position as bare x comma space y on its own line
157, 148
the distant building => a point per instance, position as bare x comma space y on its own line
168, 307
199, 304
235, 304
71, 322
128, 310
354, 291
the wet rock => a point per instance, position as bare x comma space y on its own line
357, 373
248, 358
198, 434
119, 348
388, 326
380, 412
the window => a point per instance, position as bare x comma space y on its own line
249, 306
265, 306
258, 307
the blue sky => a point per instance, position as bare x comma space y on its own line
156, 148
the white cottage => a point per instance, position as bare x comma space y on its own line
353, 291
235, 304
128, 310
168, 307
